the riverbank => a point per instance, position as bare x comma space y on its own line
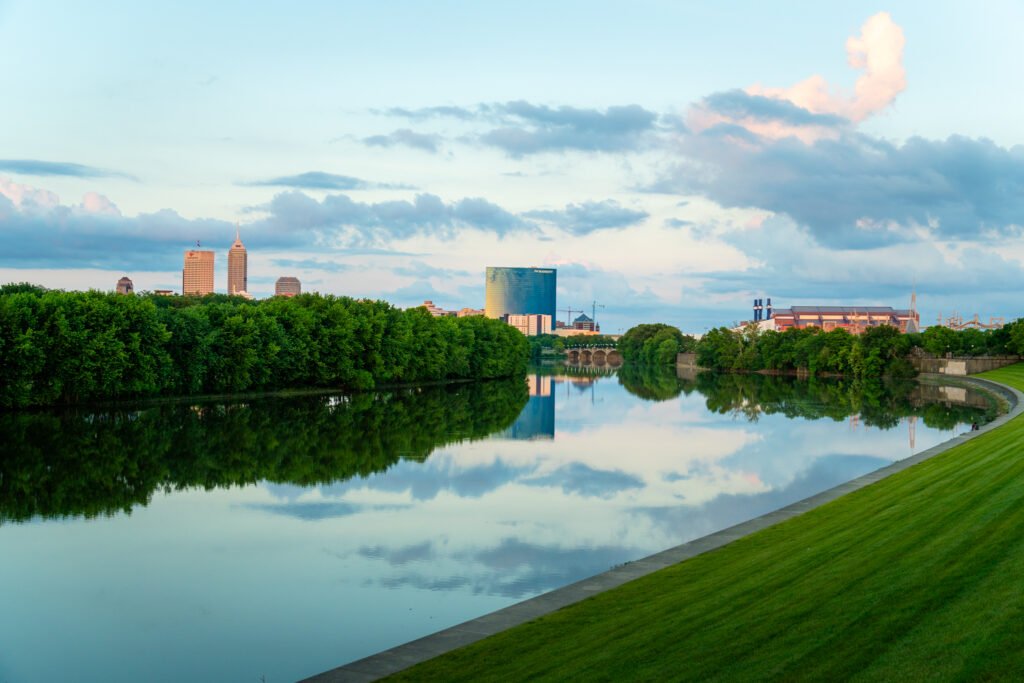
912, 577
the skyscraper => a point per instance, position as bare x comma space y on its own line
238, 271
197, 275
287, 286
513, 291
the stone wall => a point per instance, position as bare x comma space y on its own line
962, 366
686, 360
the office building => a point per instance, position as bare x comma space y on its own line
287, 286
238, 267
197, 275
584, 322
531, 325
125, 286
519, 291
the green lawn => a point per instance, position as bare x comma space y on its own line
920, 576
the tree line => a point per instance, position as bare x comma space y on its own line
59, 347
877, 352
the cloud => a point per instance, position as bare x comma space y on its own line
318, 180
860, 191
524, 128
421, 270
589, 482
790, 267
56, 168
312, 264
428, 142
421, 114
878, 53
588, 217
811, 109
338, 216
538, 129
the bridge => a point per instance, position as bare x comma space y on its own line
593, 355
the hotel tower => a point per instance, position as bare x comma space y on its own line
197, 275
237, 267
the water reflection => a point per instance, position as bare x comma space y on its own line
300, 533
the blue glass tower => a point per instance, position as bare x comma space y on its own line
520, 291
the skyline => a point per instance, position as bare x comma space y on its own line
672, 162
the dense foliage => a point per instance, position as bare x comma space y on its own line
72, 462
68, 347
654, 344
879, 351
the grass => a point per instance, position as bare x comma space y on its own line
920, 576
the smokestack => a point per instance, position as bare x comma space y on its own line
769, 317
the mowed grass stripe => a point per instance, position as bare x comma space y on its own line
918, 576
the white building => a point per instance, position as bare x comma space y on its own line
532, 324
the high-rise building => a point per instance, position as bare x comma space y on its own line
197, 275
287, 286
238, 271
125, 286
519, 291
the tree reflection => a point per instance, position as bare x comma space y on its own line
877, 403
94, 463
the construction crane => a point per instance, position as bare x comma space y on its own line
593, 313
568, 312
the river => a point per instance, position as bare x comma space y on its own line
274, 538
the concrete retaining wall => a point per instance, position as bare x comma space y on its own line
962, 366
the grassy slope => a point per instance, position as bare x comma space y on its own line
919, 576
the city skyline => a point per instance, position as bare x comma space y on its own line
672, 162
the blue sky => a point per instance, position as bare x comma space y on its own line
673, 160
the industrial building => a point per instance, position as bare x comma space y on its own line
519, 291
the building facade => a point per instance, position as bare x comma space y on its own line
197, 274
854, 319
531, 325
519, 291
125, 286
584, 322
238, 267
287, 286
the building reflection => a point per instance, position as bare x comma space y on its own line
537, 421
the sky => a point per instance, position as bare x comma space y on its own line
673, 160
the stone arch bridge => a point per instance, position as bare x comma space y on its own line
593, 355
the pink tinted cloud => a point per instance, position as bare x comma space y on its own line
28, 198
878, 53
95, 203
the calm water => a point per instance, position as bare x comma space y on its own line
277, 538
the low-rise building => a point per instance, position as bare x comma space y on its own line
125, 286
531, 324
